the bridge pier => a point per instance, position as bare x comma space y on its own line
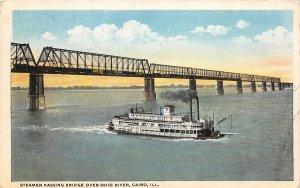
264, 86
36, 92
220, 88
286, 85
149, 92
192, 84
272, 86
280, 86
239, 86
253, 87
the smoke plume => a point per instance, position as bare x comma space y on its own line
182, 95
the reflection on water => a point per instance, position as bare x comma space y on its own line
36, 135
34, 125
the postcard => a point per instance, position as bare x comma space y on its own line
149, 94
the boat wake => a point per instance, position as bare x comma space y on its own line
31, 127
79, 129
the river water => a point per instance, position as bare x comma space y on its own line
68, 142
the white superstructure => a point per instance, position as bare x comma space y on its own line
166, 124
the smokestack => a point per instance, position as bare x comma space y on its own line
198, 113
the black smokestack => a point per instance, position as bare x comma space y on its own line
182, 95
191, 108
198, 111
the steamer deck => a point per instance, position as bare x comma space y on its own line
165, 124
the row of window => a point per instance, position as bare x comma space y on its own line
161, 125
161, 118
178, 131
171, 131
195, 127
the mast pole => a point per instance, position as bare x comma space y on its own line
213, 128
191, 109
231, 124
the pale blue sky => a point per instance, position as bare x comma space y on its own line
32, 24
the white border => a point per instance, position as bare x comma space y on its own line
6, 37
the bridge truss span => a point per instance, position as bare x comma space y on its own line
21, 58
62, 61
169, 71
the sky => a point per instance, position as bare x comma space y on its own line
252, 41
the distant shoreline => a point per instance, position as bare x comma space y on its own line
104, 88
126, 87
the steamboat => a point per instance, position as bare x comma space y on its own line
165, 124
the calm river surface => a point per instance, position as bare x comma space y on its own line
67, 141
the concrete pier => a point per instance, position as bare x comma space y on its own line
253, 87
149, 92
264, 86
280, 86
272, 86
239, 86
192, 85
36, 92
220, 88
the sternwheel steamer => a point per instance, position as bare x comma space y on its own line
165, 124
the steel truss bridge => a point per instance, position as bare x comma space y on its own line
63, 61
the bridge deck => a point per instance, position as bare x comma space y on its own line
62, 61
